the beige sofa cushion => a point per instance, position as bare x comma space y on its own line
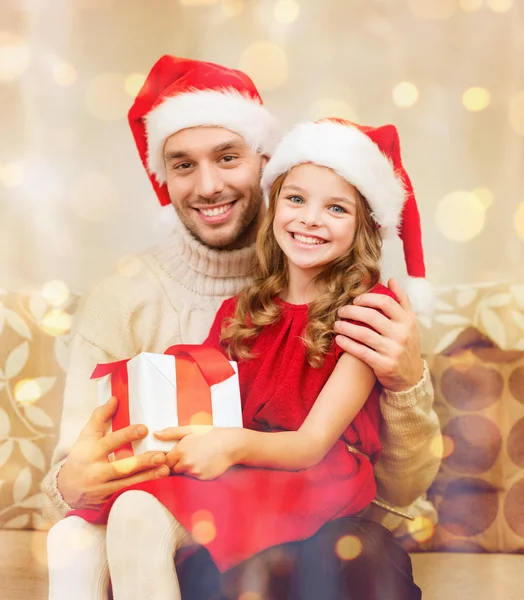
33, 354
479, 397
496, 310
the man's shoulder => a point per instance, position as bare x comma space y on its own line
132, 282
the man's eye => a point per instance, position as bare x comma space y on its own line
228, 158
182, 166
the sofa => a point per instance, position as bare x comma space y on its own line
474, 345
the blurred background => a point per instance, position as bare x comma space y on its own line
74, 199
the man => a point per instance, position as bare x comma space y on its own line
203, 135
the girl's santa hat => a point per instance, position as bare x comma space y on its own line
368, 158
180, 93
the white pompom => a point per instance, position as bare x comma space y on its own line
421, 295
167, 220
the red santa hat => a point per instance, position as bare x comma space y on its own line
180, 93
368, 158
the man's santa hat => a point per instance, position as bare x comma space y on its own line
368, 158
180, 93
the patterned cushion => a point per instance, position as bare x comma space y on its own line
479, 397
496, 310
33, 354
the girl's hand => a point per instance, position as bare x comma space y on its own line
202, 451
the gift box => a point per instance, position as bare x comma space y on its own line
187, 385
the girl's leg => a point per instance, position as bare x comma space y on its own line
142, 538
77, 561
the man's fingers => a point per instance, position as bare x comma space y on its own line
99, 419
391, 309
114, 439
370, 317
364, 335
125, 467
400, 293
365, 354
117, 485
172, 458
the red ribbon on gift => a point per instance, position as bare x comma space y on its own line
197, 368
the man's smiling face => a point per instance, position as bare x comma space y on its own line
213, 178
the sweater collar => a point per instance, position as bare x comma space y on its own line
203, 269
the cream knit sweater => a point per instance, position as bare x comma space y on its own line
169, 295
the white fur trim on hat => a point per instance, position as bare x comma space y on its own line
351, 154
226, 108
421, 295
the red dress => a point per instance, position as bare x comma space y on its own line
254, 508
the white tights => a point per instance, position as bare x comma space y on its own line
137, 547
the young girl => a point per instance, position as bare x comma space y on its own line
310, 412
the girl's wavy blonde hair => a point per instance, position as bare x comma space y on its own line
350, 275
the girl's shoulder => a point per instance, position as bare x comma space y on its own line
227, 308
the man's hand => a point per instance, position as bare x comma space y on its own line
202, 451
392, 347
87, 478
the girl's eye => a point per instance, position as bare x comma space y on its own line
295, 199
337, 209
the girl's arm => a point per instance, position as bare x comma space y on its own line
341, 398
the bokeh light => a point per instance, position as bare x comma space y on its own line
129, 266
266, 63
203, 527
64, 74
348, 547
11, 174
125, 466
405, 94
55, 292
27, 391
442, 446
433, 9
56, 322
249, 596
94, 197
470, 5
460, 216
106, 96
476, 99
500, 6
201, 418
286, 11
133, 83
516, 113
484, 195
519, 220
421, 529
331, 107
232, 8
15, 55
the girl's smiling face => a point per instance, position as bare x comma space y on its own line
315, 217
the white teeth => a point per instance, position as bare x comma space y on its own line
214, 212
307, 240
